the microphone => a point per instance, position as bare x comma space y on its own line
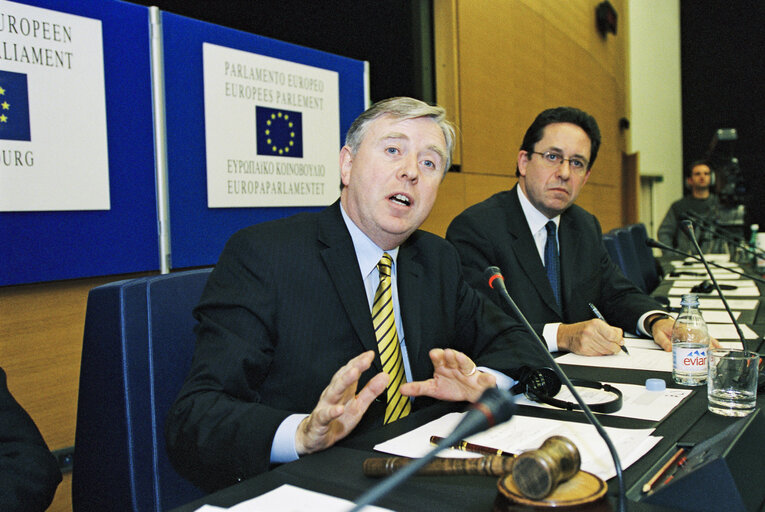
494, 407
716, 231
497, 282
687, 227
664, 247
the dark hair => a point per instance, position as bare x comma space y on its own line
695, 163
562, 115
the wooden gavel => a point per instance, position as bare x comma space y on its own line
536, 473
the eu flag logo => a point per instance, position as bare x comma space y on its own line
280, 132
14, 106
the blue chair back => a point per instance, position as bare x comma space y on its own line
612, 246
648, 267
137, 349
628, 257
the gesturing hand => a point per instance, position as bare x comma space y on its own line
454, 378
339, 409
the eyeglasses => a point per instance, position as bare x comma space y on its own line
554, 159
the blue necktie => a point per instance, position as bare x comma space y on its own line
552, 260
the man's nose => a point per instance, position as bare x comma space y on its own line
409, 168
564, 169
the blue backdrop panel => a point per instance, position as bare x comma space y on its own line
198, 233
45, 246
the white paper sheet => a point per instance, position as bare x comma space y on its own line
741, 291
522, 433
728, 331
704, 303
637, 402
289, 498
638, 359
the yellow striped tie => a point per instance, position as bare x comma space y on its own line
387, 343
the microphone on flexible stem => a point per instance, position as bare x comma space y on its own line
687, 227
664, 247
719, 232
497, 282
494, 407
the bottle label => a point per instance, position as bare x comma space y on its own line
691, 360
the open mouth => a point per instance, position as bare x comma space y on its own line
400, 199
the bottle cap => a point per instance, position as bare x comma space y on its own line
655, 385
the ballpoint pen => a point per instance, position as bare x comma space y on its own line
597, 314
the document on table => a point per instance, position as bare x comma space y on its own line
720, 259
704, 303
637, 401
716, 316
728, 331
747, 288
685, 274
646, 343
288, 498
522, 433
638, 359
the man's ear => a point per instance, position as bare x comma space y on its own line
346, 164
523, 160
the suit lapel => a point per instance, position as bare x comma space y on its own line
410, 297
526, 254
569, 255
339, 257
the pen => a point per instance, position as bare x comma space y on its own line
597, 314
470, 447
663, 470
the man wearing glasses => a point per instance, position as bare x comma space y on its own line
550, 251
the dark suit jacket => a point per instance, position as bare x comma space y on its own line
495, 232
284, 309
29, 473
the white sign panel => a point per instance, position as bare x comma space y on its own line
272, 131
53, 148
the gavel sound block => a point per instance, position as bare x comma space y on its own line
535, 473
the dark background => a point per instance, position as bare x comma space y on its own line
395, 36
723, 67
722, 64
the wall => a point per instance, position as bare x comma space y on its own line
501, 62
654, 101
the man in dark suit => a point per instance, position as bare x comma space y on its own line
29, 472
510, 230
287, 362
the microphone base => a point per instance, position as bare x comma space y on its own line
724, 472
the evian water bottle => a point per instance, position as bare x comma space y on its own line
690, 342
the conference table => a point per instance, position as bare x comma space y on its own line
338, 470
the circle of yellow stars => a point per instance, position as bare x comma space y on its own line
5, 106
269, 140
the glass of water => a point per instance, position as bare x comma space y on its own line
732, 381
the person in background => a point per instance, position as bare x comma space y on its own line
550, 250
29, 473
701, 202
323, 324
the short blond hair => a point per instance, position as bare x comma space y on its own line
401, 107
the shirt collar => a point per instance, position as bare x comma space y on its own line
534, 218
368, 254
